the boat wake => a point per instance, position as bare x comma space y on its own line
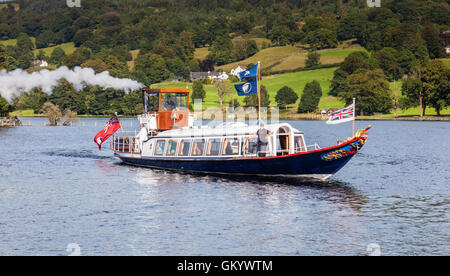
78, 154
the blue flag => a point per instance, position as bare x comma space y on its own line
249, 73
248, 88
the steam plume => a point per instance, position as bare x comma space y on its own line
12, 83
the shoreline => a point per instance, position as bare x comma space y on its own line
303, 117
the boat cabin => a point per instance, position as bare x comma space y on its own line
229, 140
165, 108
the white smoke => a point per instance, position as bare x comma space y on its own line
14, 82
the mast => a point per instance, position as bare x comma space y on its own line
259, 91
354, 115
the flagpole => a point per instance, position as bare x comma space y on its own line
354, 117
123, 131
259, 91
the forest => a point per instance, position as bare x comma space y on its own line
404, 41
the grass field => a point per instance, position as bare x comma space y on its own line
68, 48
23, 113
201, 53
446, 61
291, 57
134, 54
9, 42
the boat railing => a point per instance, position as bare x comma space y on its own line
126, 144
314, 147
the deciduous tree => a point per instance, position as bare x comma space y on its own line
310, 99
286, 96
371, 90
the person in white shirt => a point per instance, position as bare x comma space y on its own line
143, 135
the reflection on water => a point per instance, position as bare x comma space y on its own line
57, 188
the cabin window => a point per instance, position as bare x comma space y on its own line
299, 143
171, 148
198, 147
174, 101
251, 146
160, 145
231, 146
152, 102
214, 146
185, 146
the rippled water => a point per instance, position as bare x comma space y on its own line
56, 188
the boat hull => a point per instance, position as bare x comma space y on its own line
319, 164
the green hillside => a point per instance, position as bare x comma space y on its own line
68, 48
291, 57
273, 83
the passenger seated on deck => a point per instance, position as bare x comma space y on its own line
169, 104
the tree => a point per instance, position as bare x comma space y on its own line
312, 59
69, 117
222, 90
24, 43
65, 96
285, 96
152, 67
412, 89
98, 65
435, 44
222, 50
4, 107
387, 60
436, 84
310, 99
371, 90
280, 35
52, 112
57, 55
322, 38
339, 77
351, 63
6, 61
36, 99
81, 37
73, 60
207, 65
177, 67
45, 39
197, 91
244, 48
41, 55
355, 61
252, 100
116, 67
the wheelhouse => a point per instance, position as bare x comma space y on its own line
166, 108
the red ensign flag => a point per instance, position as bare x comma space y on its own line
111, 127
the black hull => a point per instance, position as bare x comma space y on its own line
318, 164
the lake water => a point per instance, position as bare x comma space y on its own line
56, 188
